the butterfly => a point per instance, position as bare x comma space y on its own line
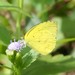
42, 37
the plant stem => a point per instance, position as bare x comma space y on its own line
18, 21
3, 66
18, 32
16, 71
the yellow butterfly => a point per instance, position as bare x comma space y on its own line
42, 37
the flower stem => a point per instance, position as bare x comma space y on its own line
18, 33
16, 71
18, 21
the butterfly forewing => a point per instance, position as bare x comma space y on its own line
42, 37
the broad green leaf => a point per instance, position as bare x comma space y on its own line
29, 58
18, 56
68, 27
54, 59
25, 50
45, 68
4, 35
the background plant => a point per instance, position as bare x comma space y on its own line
18, 16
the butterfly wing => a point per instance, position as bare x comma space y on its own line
42, 37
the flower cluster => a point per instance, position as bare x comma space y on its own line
15, 46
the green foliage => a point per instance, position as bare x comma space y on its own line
52, 67
4, 35
17, 17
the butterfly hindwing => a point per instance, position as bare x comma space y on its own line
42, 37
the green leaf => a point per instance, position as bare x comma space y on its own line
6, 65
45, 68
29, 58
18, 58
54, 59
2, 48
68, 27
4, 35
